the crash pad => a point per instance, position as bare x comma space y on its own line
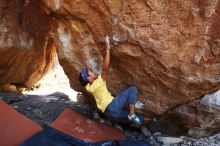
79, 126
53, 137
15, 128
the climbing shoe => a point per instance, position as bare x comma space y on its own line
134, 118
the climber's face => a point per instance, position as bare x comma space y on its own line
91, 75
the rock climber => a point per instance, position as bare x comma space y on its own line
96, 85
113, 106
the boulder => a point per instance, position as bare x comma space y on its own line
25, 54
168, 49
199, 118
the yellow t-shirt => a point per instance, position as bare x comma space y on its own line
99, 90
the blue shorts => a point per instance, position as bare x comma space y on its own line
115, 108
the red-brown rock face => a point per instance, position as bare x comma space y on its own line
168, 49
25, 56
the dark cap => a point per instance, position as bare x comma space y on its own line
84, 74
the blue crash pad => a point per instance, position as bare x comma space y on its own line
53, 137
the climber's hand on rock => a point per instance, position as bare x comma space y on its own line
107, 42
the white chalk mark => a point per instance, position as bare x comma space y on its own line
57, 4
79, 130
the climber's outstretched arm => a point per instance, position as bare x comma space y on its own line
106, 61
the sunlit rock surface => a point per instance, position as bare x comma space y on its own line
168, 49
25, 55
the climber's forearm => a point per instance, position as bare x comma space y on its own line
106, 61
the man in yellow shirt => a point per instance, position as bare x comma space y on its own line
96, 85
